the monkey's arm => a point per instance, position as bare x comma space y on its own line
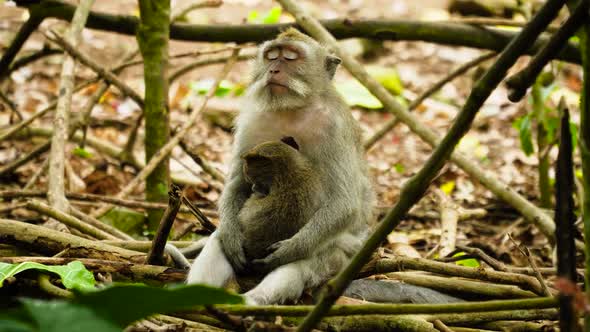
235, 193
327, 222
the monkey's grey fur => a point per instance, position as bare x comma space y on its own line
316, 116
390, 291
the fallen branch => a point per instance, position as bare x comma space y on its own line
143, 246
521, 81
156, 254
434, 32
57, 154
209, 169
46, 285
27, 59
47, 241
461, 287
400, 263
69, 220
35, 18
11, 194
105, 74
391, 309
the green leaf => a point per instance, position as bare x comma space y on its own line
550, 124
355, 94
124, 304
74, 275
109, 309
203, 86
399, 168
253, 16
59, 315
579, 174
388, 77
16, 320
469, 262
574, 133
81, 152
523, 125
273, 15
126, 220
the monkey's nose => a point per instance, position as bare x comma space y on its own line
274, 71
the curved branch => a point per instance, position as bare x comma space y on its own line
434, 32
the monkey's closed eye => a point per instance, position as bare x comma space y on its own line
273, 54
290, 141
289, 54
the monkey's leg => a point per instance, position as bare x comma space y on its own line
211, 267
287, 282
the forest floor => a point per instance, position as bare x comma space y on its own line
493, 140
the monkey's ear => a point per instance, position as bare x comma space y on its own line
290, 141
332, 63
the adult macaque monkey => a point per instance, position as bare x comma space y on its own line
291, 94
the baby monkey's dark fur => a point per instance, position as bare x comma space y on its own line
286, 193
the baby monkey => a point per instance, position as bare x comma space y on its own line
286, 192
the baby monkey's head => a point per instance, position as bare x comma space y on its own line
273, 164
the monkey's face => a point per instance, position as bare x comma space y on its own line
288, 72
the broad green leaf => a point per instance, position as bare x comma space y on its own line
16, 319
355, 94
124, 304
273, 15
523, 125
62, 316
388, 77
109, 309
579, 174
448, 187
399, 168
73, 275
469, 262
81, 152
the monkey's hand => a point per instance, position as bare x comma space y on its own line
280, 253
233, 250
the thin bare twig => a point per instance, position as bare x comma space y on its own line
107, 75
156, 254
205, 222
387, 127
56, 186
70, 220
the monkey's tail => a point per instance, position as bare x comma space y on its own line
382, 291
